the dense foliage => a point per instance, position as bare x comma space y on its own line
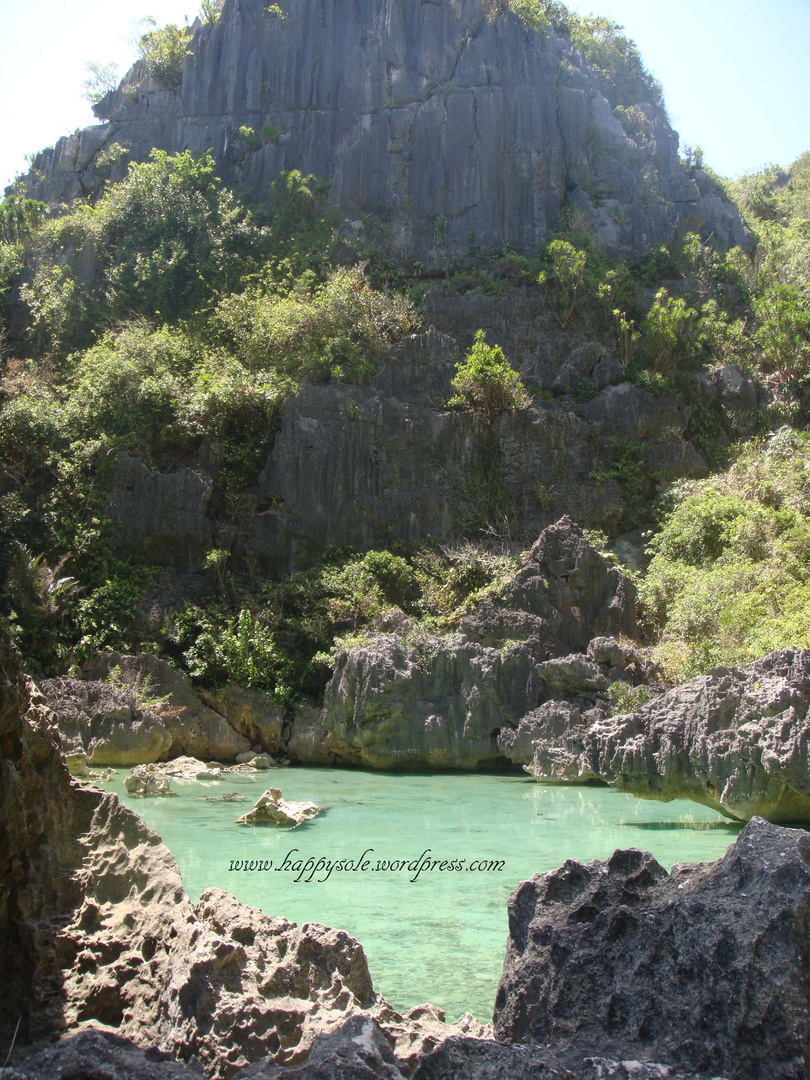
614, 57
730, 575
171, 318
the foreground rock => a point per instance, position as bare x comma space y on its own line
272, 809
481, 1059
736, 740
100, 1055
702, 969
95, 928
440, 702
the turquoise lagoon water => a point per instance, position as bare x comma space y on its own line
442, 937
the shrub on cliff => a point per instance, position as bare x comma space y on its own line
338, 330
485, 383
163, 52
730, 575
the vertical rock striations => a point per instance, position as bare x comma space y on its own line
457, 128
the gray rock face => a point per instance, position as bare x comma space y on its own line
251, 714
104, 723
423, 113
736, 740
353, 466
700, 969
440, 702
481, 1059
357, 1050
161, 513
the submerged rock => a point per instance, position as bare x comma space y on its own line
272, 809
702, 969
736, 739
186, 768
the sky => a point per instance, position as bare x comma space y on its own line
735, 73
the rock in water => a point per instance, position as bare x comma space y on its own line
142, 782
440, 701
702, 969
272, 809
736, 739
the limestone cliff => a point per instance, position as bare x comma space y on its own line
457, 128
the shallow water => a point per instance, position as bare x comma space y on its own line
442, 937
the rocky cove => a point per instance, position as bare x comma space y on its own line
99, 937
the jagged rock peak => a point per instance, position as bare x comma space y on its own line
455, 127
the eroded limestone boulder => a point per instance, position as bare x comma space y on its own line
736, 739
250, 713
143, 783
482, 1059
701, 969
272, 809
100, 1055
105, 723
196, 730
95, 928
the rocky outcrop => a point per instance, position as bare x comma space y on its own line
250, 713
736, 740
702, 969
100, 1055
95, 928
357, 1050
142, 783
574, 694
440, 702
480, 1059
272, 809
103, 724
454, 127
196, 730
354, 466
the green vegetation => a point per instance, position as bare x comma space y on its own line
728, 581
615, 59
163, 52
101, 80
485, 383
